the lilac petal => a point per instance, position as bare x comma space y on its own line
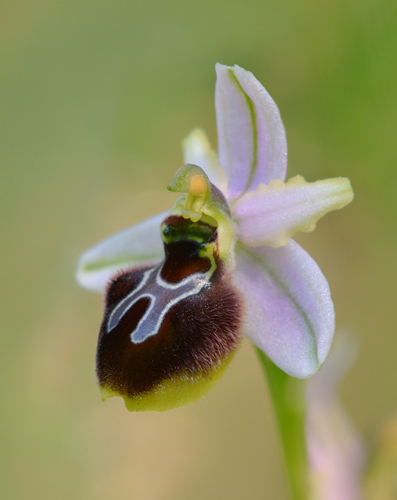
197, 151
272, 214
252, 145
289, 311
139, 245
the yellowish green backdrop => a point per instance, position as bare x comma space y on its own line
95, 99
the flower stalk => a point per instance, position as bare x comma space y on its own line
287, 394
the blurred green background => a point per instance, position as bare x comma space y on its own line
96, 97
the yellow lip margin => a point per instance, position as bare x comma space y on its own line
173, 393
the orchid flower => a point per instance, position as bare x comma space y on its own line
183, 287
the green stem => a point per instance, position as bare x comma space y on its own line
289, 404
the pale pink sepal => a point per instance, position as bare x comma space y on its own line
289, 311
252, 145
139, 245
275, 212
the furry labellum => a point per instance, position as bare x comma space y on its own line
169, 331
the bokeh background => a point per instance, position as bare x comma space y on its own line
96, 97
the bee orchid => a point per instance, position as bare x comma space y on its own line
184, 286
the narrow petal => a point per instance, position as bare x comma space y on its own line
139, 245
289, 311
252, 145
272, 214
197, 150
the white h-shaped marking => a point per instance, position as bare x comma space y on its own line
162, 296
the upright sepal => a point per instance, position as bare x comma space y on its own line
252, 145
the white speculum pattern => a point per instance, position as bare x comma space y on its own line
162, 296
